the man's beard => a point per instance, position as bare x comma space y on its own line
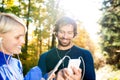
63, 45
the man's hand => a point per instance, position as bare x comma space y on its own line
65, 74
51, 75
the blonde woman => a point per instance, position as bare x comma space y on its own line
12, 33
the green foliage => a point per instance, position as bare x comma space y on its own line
42, 16
110, 31
83, 40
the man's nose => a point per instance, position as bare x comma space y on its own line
65, 35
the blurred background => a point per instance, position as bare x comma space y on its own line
98, 30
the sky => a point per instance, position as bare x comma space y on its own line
87, 11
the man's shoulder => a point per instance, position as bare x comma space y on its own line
80, 49
82, 52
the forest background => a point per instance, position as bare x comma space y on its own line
40, 16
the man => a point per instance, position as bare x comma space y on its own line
65, 30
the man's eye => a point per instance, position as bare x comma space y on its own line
70, 32
17, 37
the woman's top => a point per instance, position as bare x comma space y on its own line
10, 68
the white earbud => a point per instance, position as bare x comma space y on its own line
1, 40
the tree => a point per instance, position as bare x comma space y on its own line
110, 31
84, 40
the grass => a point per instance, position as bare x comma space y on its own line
107, 73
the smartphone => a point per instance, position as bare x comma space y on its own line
73, 63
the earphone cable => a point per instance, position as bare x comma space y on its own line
83, 67
57, 66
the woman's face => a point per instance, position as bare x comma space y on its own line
13, 40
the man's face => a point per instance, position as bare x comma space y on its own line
65, 35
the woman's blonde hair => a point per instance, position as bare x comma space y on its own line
8, 20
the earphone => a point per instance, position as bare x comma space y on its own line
1, 40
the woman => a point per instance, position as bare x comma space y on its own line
12, 33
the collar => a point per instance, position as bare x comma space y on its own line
2, 59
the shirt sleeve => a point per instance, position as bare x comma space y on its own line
34, 74
89, 67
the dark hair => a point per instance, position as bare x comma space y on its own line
65, 21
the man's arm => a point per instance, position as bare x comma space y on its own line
89, 67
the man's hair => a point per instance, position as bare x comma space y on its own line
65, 21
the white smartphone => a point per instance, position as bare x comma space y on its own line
73, 63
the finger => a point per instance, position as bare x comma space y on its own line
60, 75
53, 75
65, 73
76, 71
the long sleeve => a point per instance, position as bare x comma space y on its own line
34, 74
89, 67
